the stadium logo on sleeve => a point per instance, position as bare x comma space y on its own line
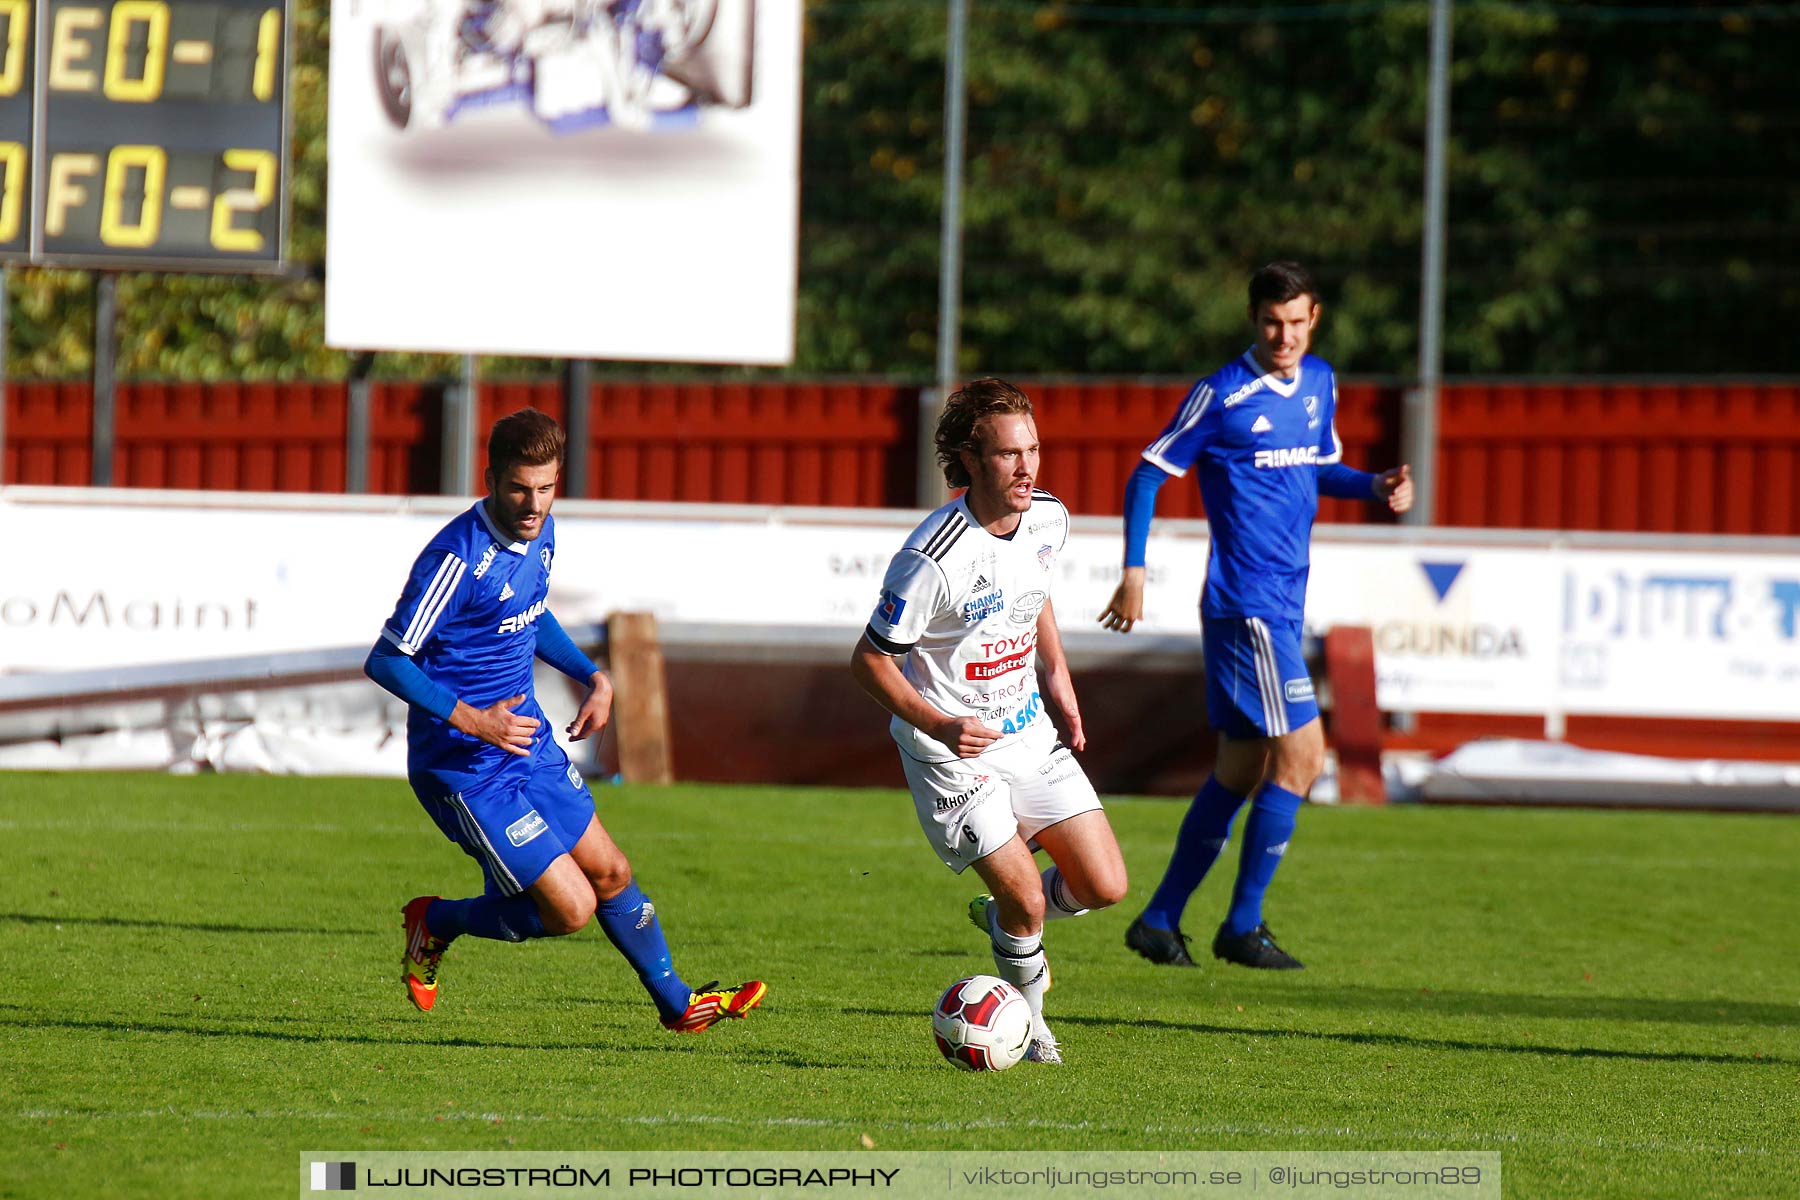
525, 828
487, 560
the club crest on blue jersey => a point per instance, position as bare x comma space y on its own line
890, 608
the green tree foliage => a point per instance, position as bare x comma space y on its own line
1622, 195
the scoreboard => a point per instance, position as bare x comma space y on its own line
144, 134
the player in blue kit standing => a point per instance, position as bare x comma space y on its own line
1261, 434
459, 650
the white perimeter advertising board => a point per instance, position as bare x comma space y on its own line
572, 178
1458, 627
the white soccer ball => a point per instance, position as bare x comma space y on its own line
982, 1023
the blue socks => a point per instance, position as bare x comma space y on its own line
502, 918
1204, 832
629, 920
1266, 833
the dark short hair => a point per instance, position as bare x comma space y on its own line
963, 411
524, 438
1280, 282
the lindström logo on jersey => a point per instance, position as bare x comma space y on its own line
1296, 456
1000, 666
525, 828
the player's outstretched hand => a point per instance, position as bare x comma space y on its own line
594, 711
966, 735
497, 725
1396, 487
1126, 608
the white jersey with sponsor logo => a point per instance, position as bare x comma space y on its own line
961, 606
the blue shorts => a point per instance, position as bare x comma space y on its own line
1257, 684
518, 819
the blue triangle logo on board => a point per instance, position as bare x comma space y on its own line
1442, 575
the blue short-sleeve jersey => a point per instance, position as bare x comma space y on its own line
467, 617
1254, 441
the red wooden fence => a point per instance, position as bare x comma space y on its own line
1696, 457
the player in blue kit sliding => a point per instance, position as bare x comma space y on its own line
1261, 434
459, 649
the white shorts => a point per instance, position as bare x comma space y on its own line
970, 807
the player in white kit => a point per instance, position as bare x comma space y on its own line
952, 651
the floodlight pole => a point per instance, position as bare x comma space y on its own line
1420, 428
105, 386
460, 416
930, 481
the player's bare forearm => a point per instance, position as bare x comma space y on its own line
879, 675
595, 710
1126, 608
1059, 685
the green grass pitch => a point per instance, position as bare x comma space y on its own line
198, 980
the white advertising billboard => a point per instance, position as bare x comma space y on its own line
1477, 628
571, 178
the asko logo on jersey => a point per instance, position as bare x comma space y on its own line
1295, 456
524, 620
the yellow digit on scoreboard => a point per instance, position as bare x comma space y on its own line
12, 188
253, 199
268, 44
125, 14
18, 35
155, 164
